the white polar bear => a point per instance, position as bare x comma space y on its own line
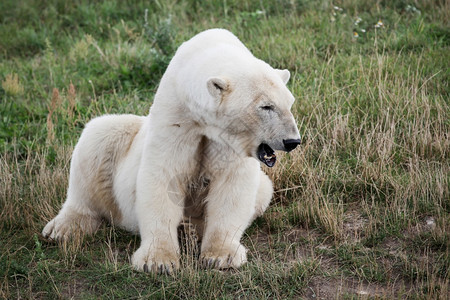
217, 111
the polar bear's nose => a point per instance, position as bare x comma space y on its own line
290, 144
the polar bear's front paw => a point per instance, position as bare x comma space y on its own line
158, 260
224, 257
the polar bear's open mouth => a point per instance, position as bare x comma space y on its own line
267, 155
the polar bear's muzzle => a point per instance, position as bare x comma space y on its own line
291, 144
266, 155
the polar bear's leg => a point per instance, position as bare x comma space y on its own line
229, 210
168, 161
75, 218
71, 223
104, 141
158, 220
159, 216
263, 196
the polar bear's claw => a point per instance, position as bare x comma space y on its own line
159, 268
211, 263
164, 269
217, 263
156, 261
224, 259
222, 262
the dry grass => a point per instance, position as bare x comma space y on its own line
11, 85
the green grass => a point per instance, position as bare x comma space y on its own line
361, 210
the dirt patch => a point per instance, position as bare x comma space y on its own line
75, 289
338, 288
354, 225
293, 245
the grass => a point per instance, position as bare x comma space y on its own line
361, 210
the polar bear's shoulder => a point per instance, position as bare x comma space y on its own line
218, 42
216, 35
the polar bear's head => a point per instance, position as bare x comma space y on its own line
253, 112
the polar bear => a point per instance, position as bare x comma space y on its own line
217, 113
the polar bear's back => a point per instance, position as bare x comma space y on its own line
108, 137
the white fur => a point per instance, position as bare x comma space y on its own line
205, 124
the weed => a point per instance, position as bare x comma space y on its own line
12, 86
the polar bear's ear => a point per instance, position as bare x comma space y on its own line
284, 74
216, 86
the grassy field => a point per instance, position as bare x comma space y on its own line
361, 210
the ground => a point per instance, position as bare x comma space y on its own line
361, 208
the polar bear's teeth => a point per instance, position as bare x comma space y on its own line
266, 155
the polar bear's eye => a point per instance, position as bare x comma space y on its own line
267, 107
